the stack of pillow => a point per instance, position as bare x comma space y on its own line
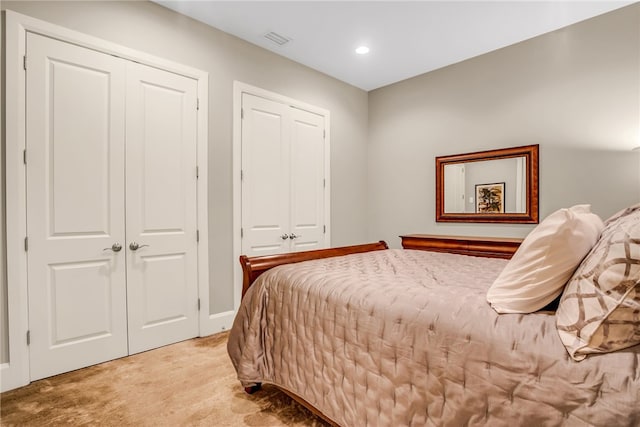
596, 268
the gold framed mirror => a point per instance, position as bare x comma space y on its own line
495, 186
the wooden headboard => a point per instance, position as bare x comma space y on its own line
252, 267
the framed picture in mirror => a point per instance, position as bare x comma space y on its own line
490, 198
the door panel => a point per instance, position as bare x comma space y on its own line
164, 305
307, 180
75, 180
161, 207
68, 282
265, 182
163, 165
79, 149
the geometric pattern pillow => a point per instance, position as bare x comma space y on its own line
599, 311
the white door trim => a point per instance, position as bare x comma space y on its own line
238, 89
15, 373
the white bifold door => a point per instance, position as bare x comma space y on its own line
283, 178
111, 206
161, 208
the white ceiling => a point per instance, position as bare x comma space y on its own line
407, 38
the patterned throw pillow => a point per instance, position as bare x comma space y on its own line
600, 308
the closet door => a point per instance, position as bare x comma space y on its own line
266, 132
75, 199
161, 207
307, 181
454, 197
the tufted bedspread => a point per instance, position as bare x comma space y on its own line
406, 338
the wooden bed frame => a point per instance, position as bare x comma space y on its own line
252, 267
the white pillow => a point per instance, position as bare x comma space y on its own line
545, 261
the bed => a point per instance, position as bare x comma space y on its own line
396, 337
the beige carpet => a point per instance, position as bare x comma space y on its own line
187, 384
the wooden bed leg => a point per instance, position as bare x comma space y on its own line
253, 388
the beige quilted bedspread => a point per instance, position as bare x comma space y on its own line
406, 338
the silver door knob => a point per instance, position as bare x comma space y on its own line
293, 236
116, 247
284, 237
134, 246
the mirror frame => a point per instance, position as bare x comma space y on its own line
529, 152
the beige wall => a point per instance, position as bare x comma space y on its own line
153, 29
575, 92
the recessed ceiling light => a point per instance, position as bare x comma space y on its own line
362, 50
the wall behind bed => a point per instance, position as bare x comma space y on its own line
575, 91
153, 29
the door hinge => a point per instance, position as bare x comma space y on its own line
197, 235
26, 244
197, 172
241, 232
324, 229
324, 134
24, 156
197, 103
198, 304
241, 175
28, 337
324, 183
24, 62
242, 113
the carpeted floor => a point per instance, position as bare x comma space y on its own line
191, 383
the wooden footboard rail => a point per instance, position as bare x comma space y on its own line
252, 267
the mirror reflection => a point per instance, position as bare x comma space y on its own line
496, 186
489, 186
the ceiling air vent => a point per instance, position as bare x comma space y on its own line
277, 38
